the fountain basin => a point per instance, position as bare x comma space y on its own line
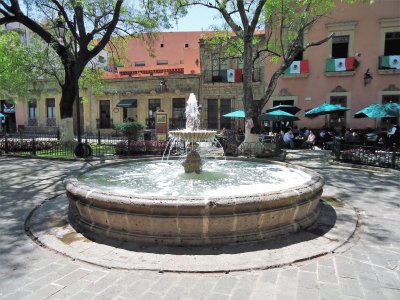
193, 136
193, 220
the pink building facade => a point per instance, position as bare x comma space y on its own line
365, 33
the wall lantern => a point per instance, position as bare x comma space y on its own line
367, 77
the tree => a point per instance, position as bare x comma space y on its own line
285, 23
16, 67
90, 25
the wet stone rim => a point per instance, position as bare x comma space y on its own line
193, 221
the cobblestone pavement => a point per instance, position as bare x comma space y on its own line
366, 268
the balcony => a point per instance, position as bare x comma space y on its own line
341, 66
389, 64
298, 69
229, 75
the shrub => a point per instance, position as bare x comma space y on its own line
130, 129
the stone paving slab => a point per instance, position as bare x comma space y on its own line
49, 226
370, 262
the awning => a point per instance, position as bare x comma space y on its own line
126, 103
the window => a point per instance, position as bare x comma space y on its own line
340, 46
32, 109
51, 108
342, 43
212, 113
104, 109
299, 56
178, 108
225, 108
101, 59
392, 43
140, 63
186, 45
395, 98
162, 46
162, 62
338, 119
154, 105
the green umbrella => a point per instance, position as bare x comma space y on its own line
287, 108
235, 114
325, 109
278, 115
386, 110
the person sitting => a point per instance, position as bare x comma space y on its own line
309, 143
296, 131
392, 136
288, 138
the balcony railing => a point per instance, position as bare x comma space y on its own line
32, 122
51, 122
229, 75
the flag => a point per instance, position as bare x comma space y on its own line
298, 67
391, 61
238, 75
340, 64
231, 75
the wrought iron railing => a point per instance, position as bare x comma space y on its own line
380, 156
211, 76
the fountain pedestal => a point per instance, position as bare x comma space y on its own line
192, 162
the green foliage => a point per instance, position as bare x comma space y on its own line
16, 71
130, 129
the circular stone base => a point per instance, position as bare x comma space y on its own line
48, 226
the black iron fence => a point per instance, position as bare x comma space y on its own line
101, 145
380, 156
96, 145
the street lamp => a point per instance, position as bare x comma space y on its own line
61, 32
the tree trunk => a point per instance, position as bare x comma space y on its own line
68, 96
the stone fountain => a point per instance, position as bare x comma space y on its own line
229, 201
192, 135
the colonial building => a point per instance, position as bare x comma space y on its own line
359, 66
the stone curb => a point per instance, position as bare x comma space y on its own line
47, 225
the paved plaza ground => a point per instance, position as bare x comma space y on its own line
358, 257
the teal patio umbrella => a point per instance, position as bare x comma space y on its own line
286, 108
278, 115
235, 114
386, 110
2, 116
325, 109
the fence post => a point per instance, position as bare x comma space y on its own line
98, 137
393, 164
6, 150
33, 147
58, 134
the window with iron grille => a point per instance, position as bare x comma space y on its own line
51, 108
32, 109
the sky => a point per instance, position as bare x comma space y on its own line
199, 18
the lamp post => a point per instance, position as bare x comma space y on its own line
61, 33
